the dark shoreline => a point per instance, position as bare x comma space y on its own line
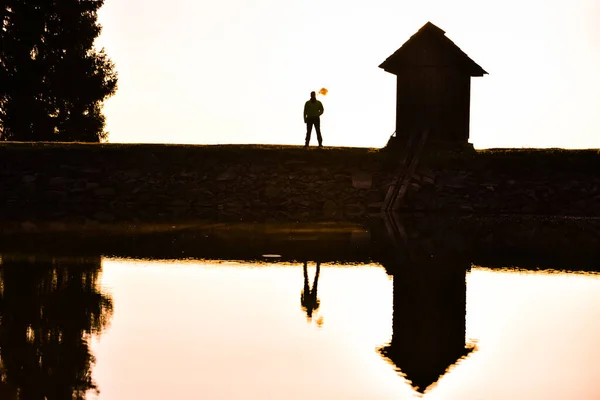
531, 243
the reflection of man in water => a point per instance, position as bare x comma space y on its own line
313, 109
308, 297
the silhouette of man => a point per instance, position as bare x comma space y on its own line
308, 296
313, 109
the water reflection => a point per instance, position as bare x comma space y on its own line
308, 297
225, 317
429, 318
429, 314
49, 309
235, 330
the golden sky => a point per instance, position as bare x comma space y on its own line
234, 71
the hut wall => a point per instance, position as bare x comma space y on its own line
436, 98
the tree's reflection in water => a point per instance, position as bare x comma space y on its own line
49, 309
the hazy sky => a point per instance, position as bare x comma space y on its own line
239, 71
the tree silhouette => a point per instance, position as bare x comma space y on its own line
48, 311
52, 80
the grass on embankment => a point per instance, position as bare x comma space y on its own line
177, 156
517, 160
520, 161
227, 151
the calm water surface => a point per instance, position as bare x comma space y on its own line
122, 329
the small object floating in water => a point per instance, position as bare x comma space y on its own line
271, 255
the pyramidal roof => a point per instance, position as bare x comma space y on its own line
430, 36
423, 373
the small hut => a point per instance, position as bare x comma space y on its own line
433, 87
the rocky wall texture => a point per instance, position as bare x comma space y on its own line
535, 182
108, 182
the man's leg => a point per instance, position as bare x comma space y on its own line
309, 124
318, 129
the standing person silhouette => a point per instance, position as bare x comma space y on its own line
313, 109
308, 297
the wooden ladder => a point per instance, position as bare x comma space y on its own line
405, 172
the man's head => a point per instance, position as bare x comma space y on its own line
313, 96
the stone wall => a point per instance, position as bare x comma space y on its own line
141, 182
108, 182
537, 182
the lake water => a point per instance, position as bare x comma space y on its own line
95, 327
143, 329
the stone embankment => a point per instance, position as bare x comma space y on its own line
108, 182
533, 182
113, 182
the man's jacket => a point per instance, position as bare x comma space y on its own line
313, 109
